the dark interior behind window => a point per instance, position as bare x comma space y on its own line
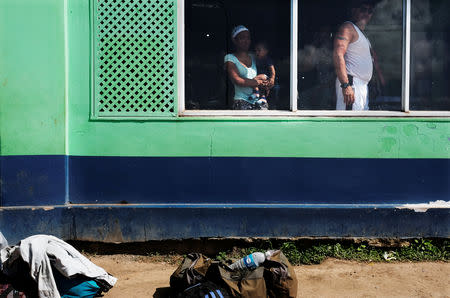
319, 20
430, 59
208, 28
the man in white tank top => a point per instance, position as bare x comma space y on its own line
353, 59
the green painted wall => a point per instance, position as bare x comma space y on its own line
364, 139
32, 119
388, 138
32, 76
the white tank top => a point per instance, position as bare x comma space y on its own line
358, 60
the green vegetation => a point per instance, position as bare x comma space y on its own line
314, 252
300, 251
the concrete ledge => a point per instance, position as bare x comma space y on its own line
124, 223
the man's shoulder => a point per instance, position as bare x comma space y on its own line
347, 29
347, 26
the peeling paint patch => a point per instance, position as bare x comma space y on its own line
114, 232
388, 144
411, 130
390, 129
423, 207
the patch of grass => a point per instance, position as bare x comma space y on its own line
299, 252
425, 249
222, 256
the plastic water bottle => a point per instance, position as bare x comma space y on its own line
252, 261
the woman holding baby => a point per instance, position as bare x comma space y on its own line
242, 71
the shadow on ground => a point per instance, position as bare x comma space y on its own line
162, 293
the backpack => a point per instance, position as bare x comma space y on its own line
199, 276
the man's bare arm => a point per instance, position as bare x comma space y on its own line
344, 37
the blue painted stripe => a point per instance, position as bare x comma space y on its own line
32, 180
206, 206
257, 180
178, 182
66, 180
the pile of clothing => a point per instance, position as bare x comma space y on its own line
45, 266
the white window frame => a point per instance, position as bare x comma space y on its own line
294, 112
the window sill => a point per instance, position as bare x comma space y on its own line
297, 114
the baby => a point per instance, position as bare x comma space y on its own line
266, 71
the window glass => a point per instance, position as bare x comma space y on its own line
430, 62
377, 86
208, 34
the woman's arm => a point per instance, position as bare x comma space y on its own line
233, 74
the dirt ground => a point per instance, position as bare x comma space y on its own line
149, 277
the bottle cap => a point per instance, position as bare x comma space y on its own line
269, 253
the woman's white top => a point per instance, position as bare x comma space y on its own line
358, 60
245, 72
